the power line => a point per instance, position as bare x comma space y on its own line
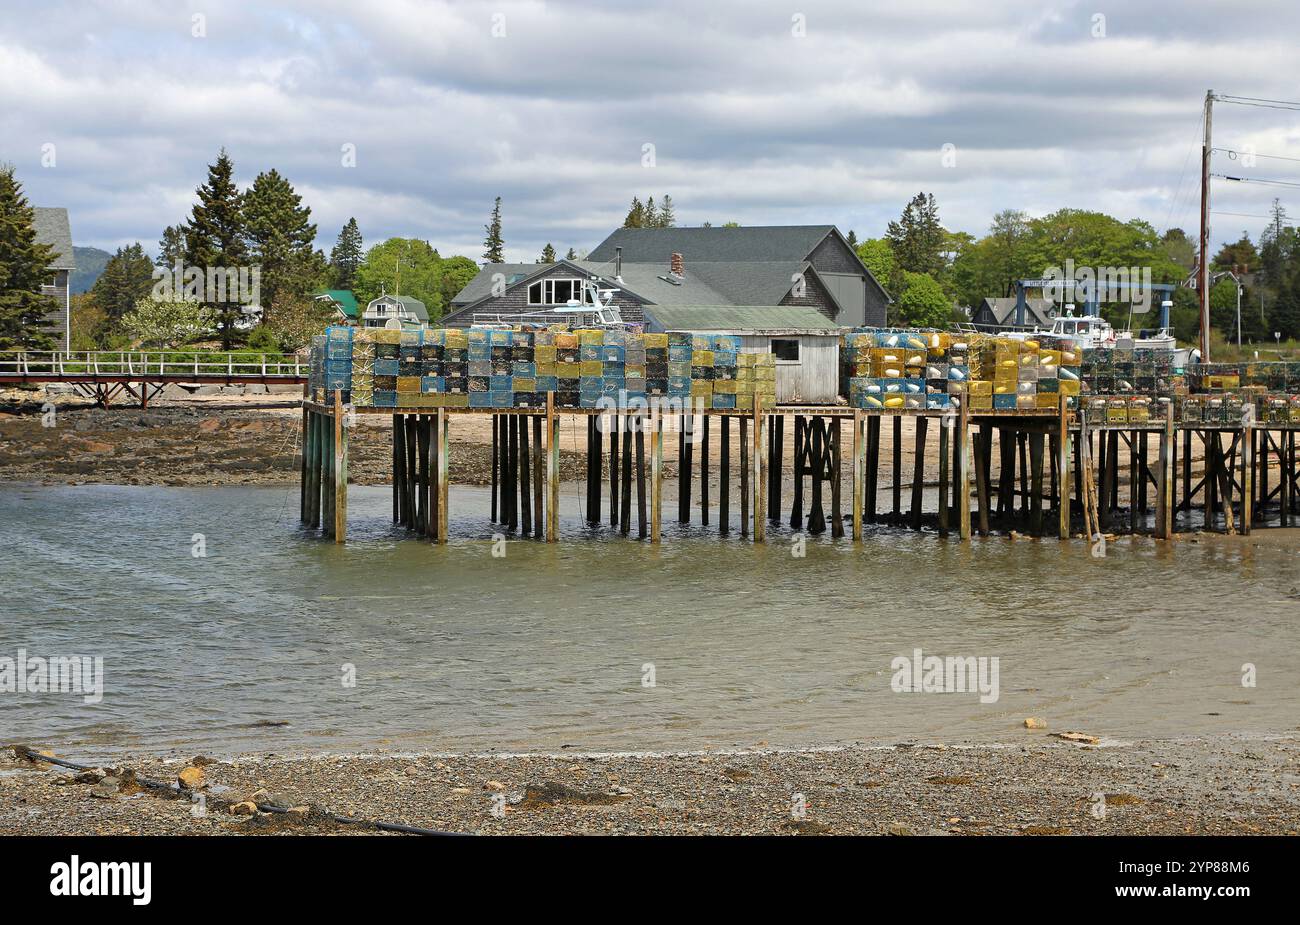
1232, 153
1240, 214
1257, 101
1224, 176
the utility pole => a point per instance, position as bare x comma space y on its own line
1205, 230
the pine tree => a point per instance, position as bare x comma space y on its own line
548, 254
23, 262
1285, 317
667, 216
172, 247
651, 219
571, 254
279, 233
917, 237
347, 255
214, 238
127, 278
852, 238
635, 215
493, 245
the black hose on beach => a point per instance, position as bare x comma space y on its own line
29, 754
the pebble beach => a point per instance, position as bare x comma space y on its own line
1047, 787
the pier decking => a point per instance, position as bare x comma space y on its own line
1056, 473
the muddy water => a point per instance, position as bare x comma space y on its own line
604, 643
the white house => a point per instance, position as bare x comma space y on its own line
406, 310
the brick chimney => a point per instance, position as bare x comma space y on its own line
675, 264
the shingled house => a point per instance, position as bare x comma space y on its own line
52, 228
809, 266
1000, 313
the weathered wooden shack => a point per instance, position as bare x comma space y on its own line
806, 344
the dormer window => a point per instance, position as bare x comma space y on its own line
555, 292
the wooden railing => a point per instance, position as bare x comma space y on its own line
151, 364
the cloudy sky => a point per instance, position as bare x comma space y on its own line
758, 112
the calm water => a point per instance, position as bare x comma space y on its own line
457, 650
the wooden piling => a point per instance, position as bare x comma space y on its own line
656, 473
760, 488
744, 475
443, 434
859, 471
525, 477
641, 525
625, 518
552, 471
837, 456
945, 436
1036, 483
615, 426
704, 472
539, 478
1165, 482
495, 460
724, 478
963, 452
684, 469
1063, 468
918, 472
340, 471
896, 471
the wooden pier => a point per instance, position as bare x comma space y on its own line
1040, 473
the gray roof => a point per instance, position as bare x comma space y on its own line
651, 281
1037, 311
481, 285
712, 245
52, 228
413, 305
753, 319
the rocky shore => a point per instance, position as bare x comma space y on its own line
198, 442
1222, 787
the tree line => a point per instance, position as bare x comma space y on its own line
937, 275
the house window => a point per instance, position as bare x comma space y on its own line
786, 349
555, 292
381, 309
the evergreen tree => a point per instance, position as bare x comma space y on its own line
917, 238
127, 278
852, 238
651, 217
635, 215
214, 238
279, 233
347, 255
1286, 311
548, 254
667, 216
172, 247
23, 262
571, 254
493, 245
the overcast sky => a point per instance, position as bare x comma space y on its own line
758, 112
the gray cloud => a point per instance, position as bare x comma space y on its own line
749, 122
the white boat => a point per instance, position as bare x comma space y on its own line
1091, 332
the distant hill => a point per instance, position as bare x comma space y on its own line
90, 263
